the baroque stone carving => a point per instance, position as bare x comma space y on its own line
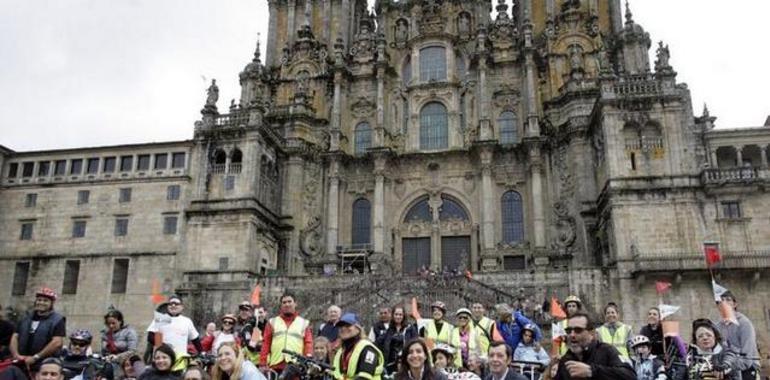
432, 20
401, 33
565, 229
363, 107
310, 237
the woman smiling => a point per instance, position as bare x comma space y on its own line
231, 365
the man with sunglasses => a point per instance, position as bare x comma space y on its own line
176, 330
41, 333
587, 358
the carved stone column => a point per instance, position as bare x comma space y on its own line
763, 156
739, 156
379, 133
327, 37
344, 24
536, 166
615, 19
485, 126
334, 141
332, 212
378, 214
435, 232
271, 33
487, 200
714, 159
290, 22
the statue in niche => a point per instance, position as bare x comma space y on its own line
576, 57
212, 94
402, 30
464, 24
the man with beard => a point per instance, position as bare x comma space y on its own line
287, 331
357, 358
587, 358
41, 333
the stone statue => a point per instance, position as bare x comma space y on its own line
464, 24
663, 56
576, 58
402, 30
212, 94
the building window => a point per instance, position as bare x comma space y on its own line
363, 139
109, 164
362, 222
27, 169
433, 126
731, 210
172, 192
169, 224
71, 274
507, 125
432, 64
76, 166
161, 161
43, 167
143, 162
20, 277
514, 262
119, 276
124, 195
420, 212
121, 226
13, 170
60, 167
79, 229
229, 182
126, 163
83, 196
31, 200
513, 218
26, 230
177, 160
450, 210
92, 166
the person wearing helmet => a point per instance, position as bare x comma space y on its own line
227, 334
467, 338
510, 323
529, 349
437, 329
572, 305
75, 357
357, 358
646, 365
40, 334
444, 358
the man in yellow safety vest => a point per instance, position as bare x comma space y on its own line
357, 358
287, 331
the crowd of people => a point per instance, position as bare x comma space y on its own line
400, 345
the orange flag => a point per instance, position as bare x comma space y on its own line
415, 310
156, 297
556, 310
256, 294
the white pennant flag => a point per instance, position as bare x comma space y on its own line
718, 290
557, 331
667, 310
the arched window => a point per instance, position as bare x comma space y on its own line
363, 139
237, 156
220, 157
513, 218
433, 126
507, 125
432, 64
406, 70
451, 210
420, 212
362, 222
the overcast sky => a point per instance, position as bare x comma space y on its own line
78, 73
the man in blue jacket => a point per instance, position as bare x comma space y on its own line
510, 325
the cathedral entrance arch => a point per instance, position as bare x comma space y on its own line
436, 233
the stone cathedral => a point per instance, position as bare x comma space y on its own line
533, 149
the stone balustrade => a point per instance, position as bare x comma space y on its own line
734, 175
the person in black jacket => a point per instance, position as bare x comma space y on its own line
587, 358
391, 342
654, 332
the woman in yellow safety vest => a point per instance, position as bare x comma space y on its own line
357, 358
614, 332
467, 339
437, 330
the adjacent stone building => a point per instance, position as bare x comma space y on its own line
533, 146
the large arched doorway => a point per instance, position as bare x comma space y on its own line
436, 233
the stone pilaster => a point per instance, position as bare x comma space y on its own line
378, 214
272, 33
332, 212
291, 27
739, 156
763, 156
292, 205
537, 197
487, 200
714, 159
615, 17
485, 126
344, 24
334, 141
379, 135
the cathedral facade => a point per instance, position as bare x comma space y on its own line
535, 148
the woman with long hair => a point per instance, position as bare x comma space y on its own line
392, 341
231, 364
162, 362
117, 336
415, 363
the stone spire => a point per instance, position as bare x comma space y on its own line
256, 51
629, 15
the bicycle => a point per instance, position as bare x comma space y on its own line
305, 368
532, 370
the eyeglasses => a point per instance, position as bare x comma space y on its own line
576, 330
228, 323
75, 343
174, 303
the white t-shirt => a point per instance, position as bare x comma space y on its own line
221, 338
177, 331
